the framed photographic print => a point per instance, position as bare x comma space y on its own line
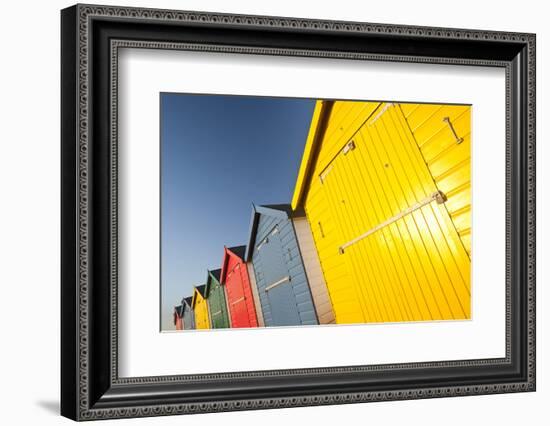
263, 212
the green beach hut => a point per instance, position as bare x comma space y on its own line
217, 305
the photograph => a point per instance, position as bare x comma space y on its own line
312, 212
273, 210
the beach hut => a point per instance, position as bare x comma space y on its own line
188, 314
386, 190
255, 294
236, 281
200, 308
284, 289
215, 295
178, 317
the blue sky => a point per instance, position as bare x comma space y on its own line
220, 154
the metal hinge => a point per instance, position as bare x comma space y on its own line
381, 113
240, 299
458, 139
349, 146
276, 283
437, 196
321, 229
266, 239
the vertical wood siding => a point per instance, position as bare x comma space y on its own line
188, 319
449, 162
240, 300
217, 305
317, 284
202, 316
255, 294
375, 161
289, 303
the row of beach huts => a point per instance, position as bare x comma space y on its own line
378, 229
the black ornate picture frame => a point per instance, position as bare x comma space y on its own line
90, 38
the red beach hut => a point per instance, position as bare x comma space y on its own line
234, 277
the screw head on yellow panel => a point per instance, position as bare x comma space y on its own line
440, 197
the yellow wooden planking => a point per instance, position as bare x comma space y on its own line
417, 268
202, 319
448, 162
342, 128
443, 234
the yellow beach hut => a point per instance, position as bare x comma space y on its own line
386, 190
200, 307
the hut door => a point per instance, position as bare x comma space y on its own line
237, 300
280, 294
218, 319
243, 301
395, 233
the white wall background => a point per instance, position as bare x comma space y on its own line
29, 212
